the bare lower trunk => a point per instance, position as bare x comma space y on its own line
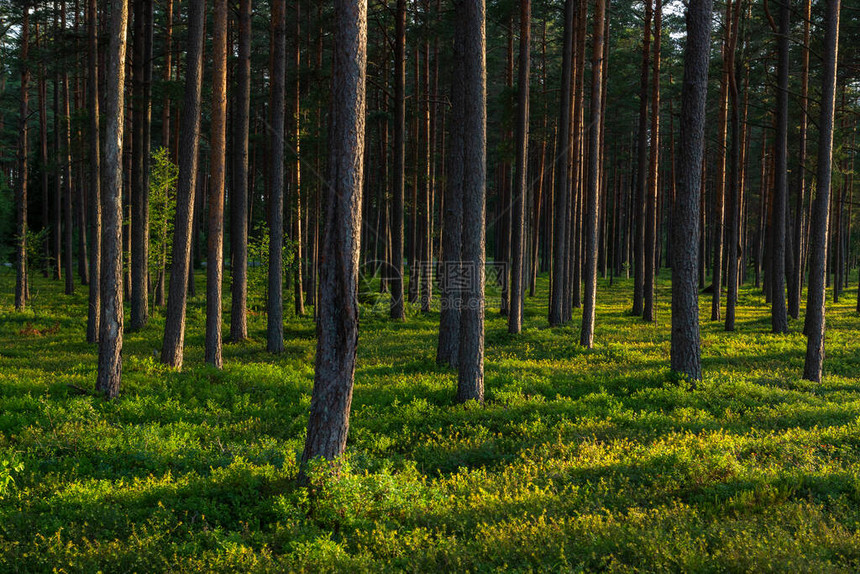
275, 296
515, 315
686, 350
337, 332
819, 225
186, 191
779, 318
110, 326
95, 219
217, 142
21, 200
471, 358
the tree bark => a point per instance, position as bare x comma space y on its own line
396, 279
651, 215
337, 331
515, 315
448, 349
814, 363
686, 350
181, 271
239, 196
641, 171
217, 143
470, 384
297, 172
779, 318
275, 297
560, 244
93, 317
110, 327
586, 337
139, 195
21, 242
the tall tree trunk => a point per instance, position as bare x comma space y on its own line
720, 183
651, 215
641, 170
561, 163
110, 326
64, 145
21, 278
448, 349
779, 319
396, 279
586, 337
686, 350
470, 384
218, 149
297, 171
426, 249
275, 298
337, 332
139, 195
515, 316
167, 74
239, 197
95, 218
819, 225
186, 192
735, 181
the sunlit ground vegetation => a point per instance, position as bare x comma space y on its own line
581, 460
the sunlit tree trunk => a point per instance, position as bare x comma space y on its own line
337, 330
819, 225
110, 326
94, 165
21, 278
186, 192
275, 297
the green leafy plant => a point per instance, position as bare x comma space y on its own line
162, 210
8, 467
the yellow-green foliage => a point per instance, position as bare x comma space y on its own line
580, 460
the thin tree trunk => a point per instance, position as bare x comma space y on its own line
95, 218
720, 184
396, 279
297, 171
21, 243
515, 316
186, 191
561, 166
337, 332
735, 182
275, 299
814, 363
651, 215
110, 326
239, 197
779, 319
139, 195
586, 337
641, 170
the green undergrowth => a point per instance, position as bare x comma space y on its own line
580, 460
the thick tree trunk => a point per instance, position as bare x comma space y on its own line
186, 191
337, 332
275, 298
686, 350
561, 168
217, 143
779, 318
95, 219
239, 196
515, 315
813, 366
110, 326
21, 240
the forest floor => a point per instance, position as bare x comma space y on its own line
580, 460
